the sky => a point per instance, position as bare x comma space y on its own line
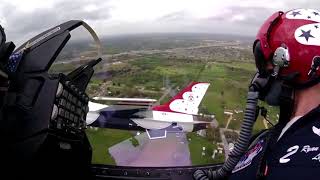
22, 19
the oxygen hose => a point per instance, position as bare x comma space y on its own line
241, 144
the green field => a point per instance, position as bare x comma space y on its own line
101, 140
196, 143
143, 77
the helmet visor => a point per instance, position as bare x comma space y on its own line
2, 36
264, 34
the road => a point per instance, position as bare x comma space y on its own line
171, 151
225, 142
229, 119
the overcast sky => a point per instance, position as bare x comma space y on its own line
23, 19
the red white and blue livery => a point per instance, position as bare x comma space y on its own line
180, 114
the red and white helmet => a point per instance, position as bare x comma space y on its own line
291, 42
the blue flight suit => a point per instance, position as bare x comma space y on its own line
296, 155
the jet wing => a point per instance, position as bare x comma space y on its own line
125, 99
156, 133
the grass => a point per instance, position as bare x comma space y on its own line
134, 142
61, 68
195, 147
228, 88
101, 140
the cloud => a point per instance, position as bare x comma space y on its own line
24, 19
243, 15
175, 16
25, 24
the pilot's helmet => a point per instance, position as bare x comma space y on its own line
290, 42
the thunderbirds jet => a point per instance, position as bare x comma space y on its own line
180, 114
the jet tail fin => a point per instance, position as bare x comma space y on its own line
186, 101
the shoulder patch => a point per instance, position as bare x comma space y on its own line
246, 160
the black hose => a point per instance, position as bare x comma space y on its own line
240, 146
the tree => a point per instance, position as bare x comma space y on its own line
213, 134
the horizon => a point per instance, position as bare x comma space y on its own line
211, 36
24, 19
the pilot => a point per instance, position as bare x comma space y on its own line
287, 51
